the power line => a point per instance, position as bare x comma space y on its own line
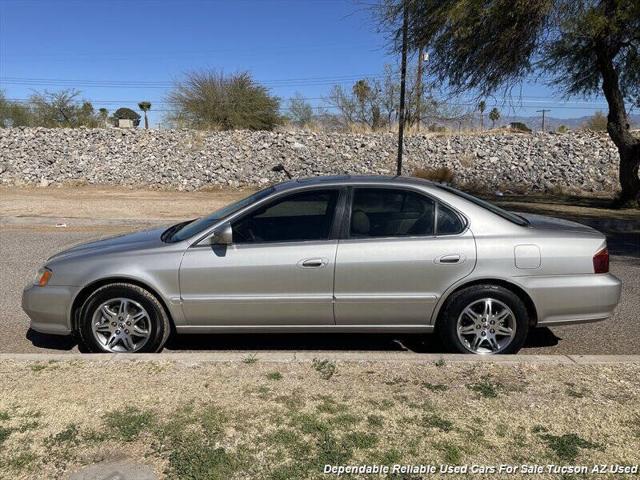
285, 82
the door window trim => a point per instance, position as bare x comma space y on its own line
345, 231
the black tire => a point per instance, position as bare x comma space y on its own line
447, 324
160, 327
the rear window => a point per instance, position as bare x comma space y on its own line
512, 217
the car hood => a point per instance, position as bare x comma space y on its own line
119, 243
542, 222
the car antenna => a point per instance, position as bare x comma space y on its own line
280, 168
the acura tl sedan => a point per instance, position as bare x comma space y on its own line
332, 254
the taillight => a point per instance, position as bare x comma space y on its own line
601, 261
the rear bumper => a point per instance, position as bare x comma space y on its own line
48, 308
572, 299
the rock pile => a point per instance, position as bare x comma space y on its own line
190, 160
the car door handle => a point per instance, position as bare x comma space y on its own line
450, 259
313, 262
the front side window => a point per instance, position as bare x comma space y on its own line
189, 229
377, 212
296, 217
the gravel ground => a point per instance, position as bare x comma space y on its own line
23, 248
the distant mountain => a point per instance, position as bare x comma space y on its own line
552, 123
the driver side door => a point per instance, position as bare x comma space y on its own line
278, 270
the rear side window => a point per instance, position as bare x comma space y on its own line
448, 223
377, 212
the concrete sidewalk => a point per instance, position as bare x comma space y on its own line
308, 356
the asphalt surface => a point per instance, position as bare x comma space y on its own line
24, 248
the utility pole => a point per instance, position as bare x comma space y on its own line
544, 110
403, 78
419, 88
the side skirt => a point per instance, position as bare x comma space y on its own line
304, 328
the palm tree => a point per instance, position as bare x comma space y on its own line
481, 107
145, 107
494, 116
104, 114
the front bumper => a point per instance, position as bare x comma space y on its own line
571, 299
49, 308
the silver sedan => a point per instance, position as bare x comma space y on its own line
332, 254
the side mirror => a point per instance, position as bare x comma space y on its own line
223, 235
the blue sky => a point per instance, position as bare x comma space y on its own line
119, 52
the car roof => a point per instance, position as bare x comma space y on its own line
388, 180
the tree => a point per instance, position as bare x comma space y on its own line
61, 109
482, 105
13, 114
582, 47
597, 122
124, 113
300, 111
494, 116
374, 102
145, 106
212, 100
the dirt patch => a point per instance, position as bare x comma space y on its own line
254, 419
103, 203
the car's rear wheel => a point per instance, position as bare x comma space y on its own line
123, 318
484, 319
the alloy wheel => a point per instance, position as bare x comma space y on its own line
486, 326
121, 325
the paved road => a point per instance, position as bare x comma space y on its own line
23, 249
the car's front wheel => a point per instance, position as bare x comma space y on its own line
123, 318
484, 319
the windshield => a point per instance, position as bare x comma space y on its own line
189, 229
512, 217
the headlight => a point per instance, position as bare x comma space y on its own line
42, 277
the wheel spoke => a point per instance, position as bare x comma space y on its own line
471, 314
112, 340
502, 330
477, 342
122, 310
503, 315
467, 330
140, 332
488, 304
103, 327
493, 343
138, 316
128, 343
108, 314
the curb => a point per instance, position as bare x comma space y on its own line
307, 356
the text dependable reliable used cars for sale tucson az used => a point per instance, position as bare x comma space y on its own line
332, 254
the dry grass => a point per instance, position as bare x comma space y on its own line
440, 174
279, 421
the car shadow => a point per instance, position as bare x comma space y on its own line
539, 337
51, 342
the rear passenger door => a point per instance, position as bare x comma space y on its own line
402, 250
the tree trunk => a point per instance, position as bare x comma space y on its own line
618, 126
146, 121
629, 181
